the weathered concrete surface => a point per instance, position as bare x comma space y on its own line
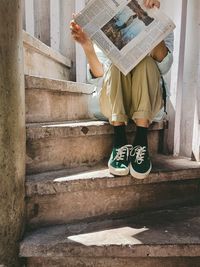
114, 262
42, 23
163, 234
54, 146
113, 202
12, 131
165, 169
56, 100
56, 198
34, 82
41, 60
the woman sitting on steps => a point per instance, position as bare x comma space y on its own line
137, 96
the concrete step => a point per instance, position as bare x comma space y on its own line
67, 196
42, 60
53, 146
165, 238
56, 100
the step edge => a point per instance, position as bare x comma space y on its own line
174, 221
34, 187
47, 84
123, 251
83, 128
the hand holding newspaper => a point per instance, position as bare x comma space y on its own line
124, 29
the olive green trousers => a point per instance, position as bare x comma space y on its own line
137, 95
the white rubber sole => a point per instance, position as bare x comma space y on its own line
139, 175
118, 172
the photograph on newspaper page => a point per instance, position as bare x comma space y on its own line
127, 24
126, 31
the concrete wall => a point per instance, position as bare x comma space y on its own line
12, 132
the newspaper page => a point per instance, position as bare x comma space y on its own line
125, 30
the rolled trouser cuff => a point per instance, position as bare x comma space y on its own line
118, 118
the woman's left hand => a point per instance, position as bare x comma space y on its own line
152, 3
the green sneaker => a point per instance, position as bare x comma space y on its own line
140, 163
119, 162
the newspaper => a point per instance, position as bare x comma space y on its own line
125, 30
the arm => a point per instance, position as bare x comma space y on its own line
165, 65
159, 52
81, 37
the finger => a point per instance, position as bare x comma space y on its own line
152, 3
72, 28
77, 35
75, 27
73, 32
73, 23
157, 4
146, 3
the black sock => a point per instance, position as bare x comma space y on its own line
119, 136
141, 137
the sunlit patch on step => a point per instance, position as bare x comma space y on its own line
102, 173
118, 236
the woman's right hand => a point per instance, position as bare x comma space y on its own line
79, 35
83, 39
152, 3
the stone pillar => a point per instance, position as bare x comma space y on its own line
12, 132
177, 10
190, 121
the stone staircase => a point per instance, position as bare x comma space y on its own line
80, 215
167, 238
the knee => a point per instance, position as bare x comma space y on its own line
148, 61
148, 66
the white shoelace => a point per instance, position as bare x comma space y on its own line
123, 152
139, 152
